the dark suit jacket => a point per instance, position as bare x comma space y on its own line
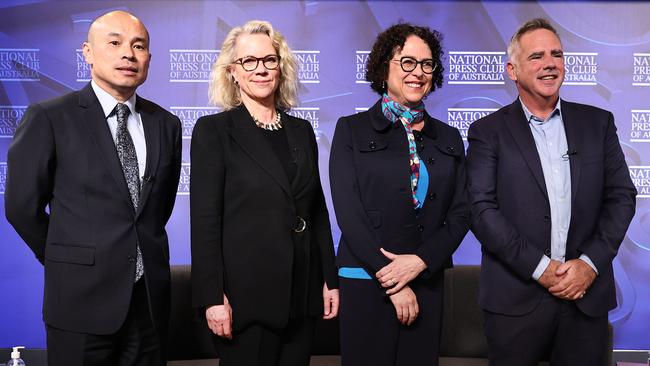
243, 212
63, 157
370, 179
511, 213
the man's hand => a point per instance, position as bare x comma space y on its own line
577, 276
219, 319
406, 305
330, 302
402, 269
549, 278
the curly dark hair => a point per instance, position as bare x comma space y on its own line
391, 41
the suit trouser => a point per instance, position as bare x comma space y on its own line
136, 343
371, 333
258, 345
556, 331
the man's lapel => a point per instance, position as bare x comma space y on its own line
518, 127
574, 144
94, 119
151, 123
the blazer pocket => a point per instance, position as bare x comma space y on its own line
70, 253
451, 150
371, 144
375, 218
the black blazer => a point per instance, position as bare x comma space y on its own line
243, 215
370, 180
511, 212
63, 157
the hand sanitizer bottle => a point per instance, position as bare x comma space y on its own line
15, 358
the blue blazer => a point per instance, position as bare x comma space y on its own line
370, 180
511, 213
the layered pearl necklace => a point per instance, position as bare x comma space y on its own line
273, 126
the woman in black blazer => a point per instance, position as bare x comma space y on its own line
398, 186
262, 254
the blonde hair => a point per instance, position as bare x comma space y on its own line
224, 93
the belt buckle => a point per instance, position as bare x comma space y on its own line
300, 226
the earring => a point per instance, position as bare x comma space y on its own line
383, 85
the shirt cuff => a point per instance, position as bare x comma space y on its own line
541, 267
585, 258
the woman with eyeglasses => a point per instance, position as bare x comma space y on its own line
262, 254
398, 186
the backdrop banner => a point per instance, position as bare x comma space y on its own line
607, 57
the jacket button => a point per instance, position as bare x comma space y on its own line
131, 258
432, 196
451, 149
547, 251
420, 228
419, 139
547, 218
372, 145
431, 161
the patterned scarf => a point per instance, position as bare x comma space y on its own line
396, 112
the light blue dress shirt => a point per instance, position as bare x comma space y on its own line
551, 144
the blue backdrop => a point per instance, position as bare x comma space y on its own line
608, 64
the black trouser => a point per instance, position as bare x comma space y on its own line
371, 333
134, 344
556, 330
258, 345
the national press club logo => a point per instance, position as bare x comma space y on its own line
83, 68
10, 116
311, 114
641, 71
640, 175
361, 60
191, 66
581, 68
20, 64
184, 180
462, 118
476, 67
189, 115
3, 176
308, 66
640, 125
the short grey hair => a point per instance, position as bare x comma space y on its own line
529, 26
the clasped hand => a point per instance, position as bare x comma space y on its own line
569, 280
402, 269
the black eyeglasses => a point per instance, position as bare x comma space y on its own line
409, 64
250, 63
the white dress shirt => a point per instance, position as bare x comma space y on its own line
133, 124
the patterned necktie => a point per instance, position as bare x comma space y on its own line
129, 161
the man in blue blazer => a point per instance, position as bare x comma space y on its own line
551, 201
91, 184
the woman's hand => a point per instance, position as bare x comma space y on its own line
330, 302
219, 319
402, 269
406, 305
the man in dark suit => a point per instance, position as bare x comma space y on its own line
105, 163
551, 201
